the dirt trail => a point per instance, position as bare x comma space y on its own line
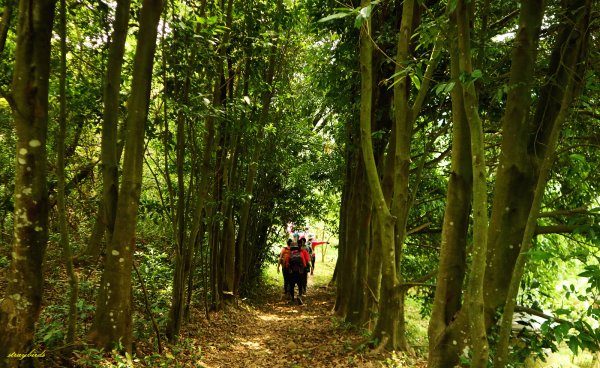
280, 334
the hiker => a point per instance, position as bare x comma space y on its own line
284, 256
306, 255
296, 264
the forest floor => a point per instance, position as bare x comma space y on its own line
272, 332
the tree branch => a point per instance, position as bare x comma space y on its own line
567, 212
535, 312
555, 229
418, 228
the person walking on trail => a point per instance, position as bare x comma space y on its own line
283, 262
296, 264
306, 253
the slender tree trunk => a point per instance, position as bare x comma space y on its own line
346, 211
403, 129
112, 323
5, 22
20, 308
383, 221
348, 253
110, 151
182, 247
474, 297
60, 173
110, 122
452, 263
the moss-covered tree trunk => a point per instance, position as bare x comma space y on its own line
113, 322
109, 149
574, 54
524, 146
20, 308
110, 121
403, 128
474, 298
383, 222
452, 260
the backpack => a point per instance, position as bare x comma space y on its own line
296, 265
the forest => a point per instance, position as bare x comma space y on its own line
155, 157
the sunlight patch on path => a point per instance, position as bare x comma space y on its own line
269, 317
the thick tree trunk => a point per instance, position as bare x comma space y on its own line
20, 308
359, 299
346, 255
112, 323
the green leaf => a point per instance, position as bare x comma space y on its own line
358, 21
452, 6
562, 311
334, 16
577, 157
415, 81
539, 255
573, 344
561, 331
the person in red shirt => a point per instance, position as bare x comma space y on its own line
306, 257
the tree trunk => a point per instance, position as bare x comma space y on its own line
5, 23
400, 205
524, 147
182, 245
110, 149
110, 121
112, 323
474, 296
578, 51
349, 232
60, 173
21, 306
383, 223
452, 261
359, 298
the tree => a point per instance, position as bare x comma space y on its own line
112, 323
20, 308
